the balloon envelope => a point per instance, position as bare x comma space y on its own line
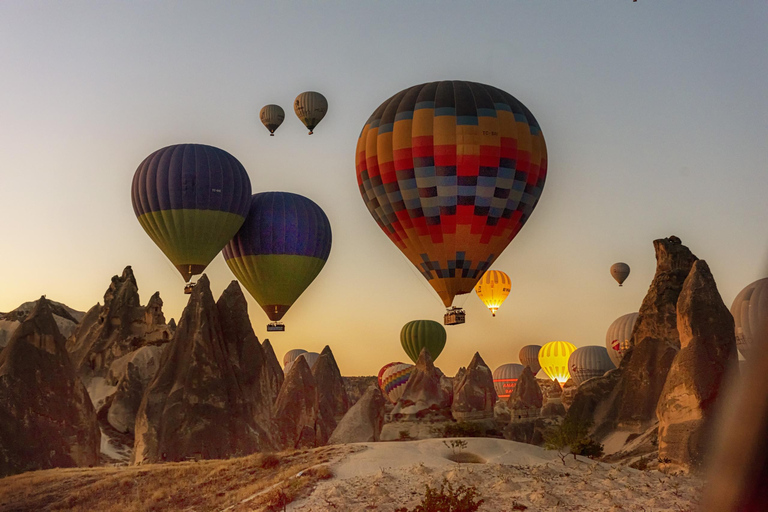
750, 316
620, 272
392, 380
529, 356
311, 358
505, 378
493, 288
588, 362
310, 107
272, 117
618, 335
190, 199
553, 358
419, 334
450, 171
291, 356
281, 248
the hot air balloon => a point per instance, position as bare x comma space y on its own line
750, 316
505, 378
291, 356
618, 335
620, 271
190, 199
587, 362
392, 380
553, 358
529, 356
419, 334
310, 357
280, 250
310, 108
272, 117
451, 171
493, 288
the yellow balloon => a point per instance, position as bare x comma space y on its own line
493, 288
553, 358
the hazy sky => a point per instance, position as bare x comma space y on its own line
655, 116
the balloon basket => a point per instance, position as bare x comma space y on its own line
454, 316
276, 327
188, 288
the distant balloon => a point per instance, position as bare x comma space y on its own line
311, 108
281, 248
493, 288
392, 380
191, 199
419, 334
529, 356
618, 335
451, 171
620, 271
272, 117
311, 358
505, 378
750, 316
553, 358
291, 356
587, 362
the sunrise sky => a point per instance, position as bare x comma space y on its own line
655, 116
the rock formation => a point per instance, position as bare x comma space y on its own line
357, 386
526, 399
67, 319
474, 396
363, 421
132, 373
296, 413
332, 400
201, 401
274, 370
426, 394
552, 409
595, 403
708, 351
46, 419
117, 328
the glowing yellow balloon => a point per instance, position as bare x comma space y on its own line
493, 288
553, 358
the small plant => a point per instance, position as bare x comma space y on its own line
574, 435
665, 460
462, 429
455, 444
518, 506
448, 499
278, 501
641, 464
405, 435
269, 461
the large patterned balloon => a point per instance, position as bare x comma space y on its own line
281, 248
190, 199
392, 380
451, 171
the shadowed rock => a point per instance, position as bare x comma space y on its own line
526, 399
67, 319
332, 400
363, 421
133, 373
201, 401
708, 351
427, 393
274, 370
46, 418
474, 396
296, 411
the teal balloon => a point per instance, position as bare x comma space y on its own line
419, 334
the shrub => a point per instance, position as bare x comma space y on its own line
405, 435
462, 429
448, 499
574, 435
269, 461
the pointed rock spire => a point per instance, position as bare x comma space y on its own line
474, 396
424, 395
296, 409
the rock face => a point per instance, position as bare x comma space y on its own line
474, 395
117, 328
363, 421
527, 398
595, 403
296, 412
427, 394
332, 400
132, 372
203, 400
274, 370
67, 319
46, 419
708, 351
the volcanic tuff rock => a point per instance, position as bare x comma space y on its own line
526, 399
332, 400
357, 386
427, 393
595, 403
708, 352
363, 421
474, 396
201, 401
297, 421
46, 419
120, 326
66, 319
133, 373
274, 371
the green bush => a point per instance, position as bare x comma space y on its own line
462, 429
574, 435
448, 499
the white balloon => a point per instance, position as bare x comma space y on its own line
505, 378
587, 362
618, 335
750, 317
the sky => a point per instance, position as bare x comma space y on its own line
655, 116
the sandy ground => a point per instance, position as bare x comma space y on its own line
384, 476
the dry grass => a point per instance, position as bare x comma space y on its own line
204, 485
